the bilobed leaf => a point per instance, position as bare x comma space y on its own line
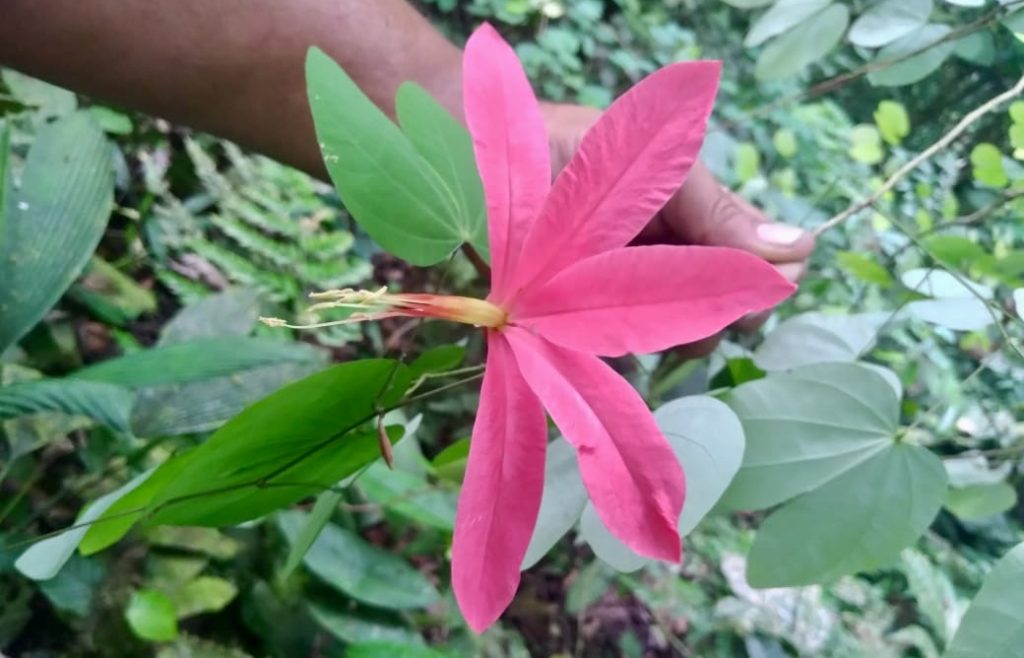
804, 44
446, 145
561, 504
976, 501
858, 521
707, 438
52, 222
390, 189
42, 560
107, 404
814, 337
807, 427
917, 67
783, 15
994, 623
889, 20
196, 360
366, 573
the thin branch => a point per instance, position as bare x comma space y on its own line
969, 119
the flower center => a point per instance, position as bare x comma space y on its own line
368, 305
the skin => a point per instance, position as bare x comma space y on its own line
235, 68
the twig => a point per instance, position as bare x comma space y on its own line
901, 173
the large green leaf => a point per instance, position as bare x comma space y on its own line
409, 495
228, 313
707, 438
889, 20
811, 338
807, 427
361, 626
52, 222
994, 624
976, 501
562, 503
446, 145
326, 504
196, 360
360, 570
917, 67
782, 16
390, 189
151, 616
804, 44
107, 404
858, 521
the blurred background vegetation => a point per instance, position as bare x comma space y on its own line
818, 105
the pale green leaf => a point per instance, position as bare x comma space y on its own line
366, 573
151, 616
893, 121
893, 73
866, 144
977, 501
859, 521
228, 313
319, 516
357, 628
803, 45
994, 623
807, 427
562, 503
864, 267
889, 20
782, 16
987, 163
107, 404
814, 337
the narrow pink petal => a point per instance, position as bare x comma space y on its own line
628, 165
646, 299
631, 473
501, 492
511, 146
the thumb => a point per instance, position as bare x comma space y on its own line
705, 213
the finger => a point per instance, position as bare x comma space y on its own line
704, 212
751, 323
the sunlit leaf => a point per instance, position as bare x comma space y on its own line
893, 121
151, 616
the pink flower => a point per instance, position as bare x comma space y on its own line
570, 289
566, 290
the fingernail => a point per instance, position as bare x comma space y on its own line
780, 234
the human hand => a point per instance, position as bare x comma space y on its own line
702, 212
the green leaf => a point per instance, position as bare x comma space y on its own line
295, 443
228, 313
111, 121
360, 570
390, 650
866, 144
438, 359
105, 403
994, 623
782, 16
72, 590
1018, 302
807, 427
747, 161
111, 295
53, 221
204, 594
888, 20
592, 581
450, 463
326, 504
561, 504
49, 100
917, 67
42, 560
978, 48
196, 360
858, 521
807, 43
747, 4
151, 616
394, 194
446, 145
410, 496
954, 250
987, 163
865, 268
893, 121
978, 501
785, 143
707, 438
363, 627
954, 306
5, 152
811, 338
